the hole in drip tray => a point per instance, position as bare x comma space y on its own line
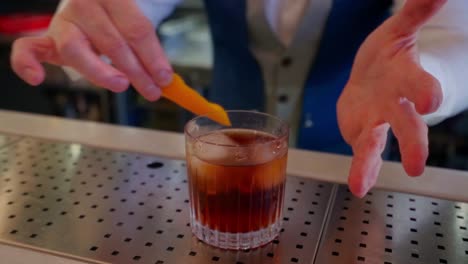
155, 165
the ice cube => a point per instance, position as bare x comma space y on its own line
216, 148
219, 138
265, 152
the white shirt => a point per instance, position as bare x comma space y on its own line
442, 44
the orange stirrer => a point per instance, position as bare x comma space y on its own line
180, 93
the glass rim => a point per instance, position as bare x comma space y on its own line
281, 123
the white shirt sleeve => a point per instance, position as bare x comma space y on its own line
157, 10
443, 51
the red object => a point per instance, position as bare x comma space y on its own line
24, 23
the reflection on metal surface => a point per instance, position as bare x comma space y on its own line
387, 227
129, 208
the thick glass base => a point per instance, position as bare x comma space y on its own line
236, 241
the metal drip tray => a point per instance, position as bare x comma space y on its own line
392, 228
7, 139
129, 208
116, 207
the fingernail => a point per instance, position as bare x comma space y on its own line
153, 92
364, 191
360, 195
164, 77
367, 185
119, 83
31, 76
360, 190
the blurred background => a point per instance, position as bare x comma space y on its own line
186, 40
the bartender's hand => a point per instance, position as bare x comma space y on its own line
81, 31
389, 88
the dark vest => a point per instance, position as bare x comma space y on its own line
237, 80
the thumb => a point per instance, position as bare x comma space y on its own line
27, 55
414, 14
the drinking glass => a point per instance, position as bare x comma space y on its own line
236, 178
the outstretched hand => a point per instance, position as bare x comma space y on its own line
389, 88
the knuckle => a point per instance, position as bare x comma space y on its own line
115, 46
431, 95
374, 142
137, 73
430, 82
139, 30
19, 44
66, 46
76, 5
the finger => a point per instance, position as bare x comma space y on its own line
76, 52
27, 55
367, 160
423, 90
105, 37
411, 132
414, 14
140, 34
349, 122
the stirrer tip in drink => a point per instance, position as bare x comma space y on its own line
219, 115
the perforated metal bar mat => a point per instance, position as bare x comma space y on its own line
129, 208
7, 139
394, 228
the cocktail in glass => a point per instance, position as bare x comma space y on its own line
236, 178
